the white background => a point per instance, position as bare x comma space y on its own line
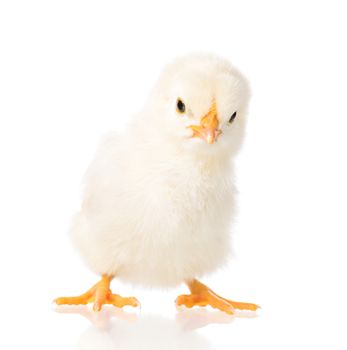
72, 70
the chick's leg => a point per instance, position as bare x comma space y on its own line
201, 295
99, 294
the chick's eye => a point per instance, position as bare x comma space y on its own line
181, 107
232, 117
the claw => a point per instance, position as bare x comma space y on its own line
203, 296
100, 294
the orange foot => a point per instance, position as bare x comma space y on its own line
201, 295
100, 294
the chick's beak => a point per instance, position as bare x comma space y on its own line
208, 128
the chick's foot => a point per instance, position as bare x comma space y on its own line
201, 295
100, 294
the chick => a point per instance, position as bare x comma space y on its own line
159, 199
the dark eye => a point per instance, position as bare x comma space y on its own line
181, 107
232, 117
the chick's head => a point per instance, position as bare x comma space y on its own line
200, 103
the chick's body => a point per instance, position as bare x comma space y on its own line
152, 215
157, 202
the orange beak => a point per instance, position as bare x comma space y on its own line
208, 128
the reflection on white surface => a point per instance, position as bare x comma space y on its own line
113, 328
100, 320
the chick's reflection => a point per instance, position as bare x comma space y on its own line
113, 328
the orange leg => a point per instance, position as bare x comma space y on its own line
201, 295
100, 294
